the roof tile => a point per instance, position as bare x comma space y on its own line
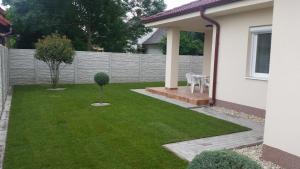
185, 9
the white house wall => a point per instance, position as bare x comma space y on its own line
283, 114
153, 49
232, 86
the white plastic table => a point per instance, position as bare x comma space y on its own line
200, 79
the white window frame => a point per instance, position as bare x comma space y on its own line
255, 31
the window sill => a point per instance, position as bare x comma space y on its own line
256, 78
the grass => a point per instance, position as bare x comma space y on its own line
60, 130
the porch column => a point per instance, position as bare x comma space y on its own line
207, 52
173, 36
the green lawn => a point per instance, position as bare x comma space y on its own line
60, 130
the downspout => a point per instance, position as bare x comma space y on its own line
212, 101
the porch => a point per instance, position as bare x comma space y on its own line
183, 93
191, 23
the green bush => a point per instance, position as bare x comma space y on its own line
101, 79
222, 160
54, 50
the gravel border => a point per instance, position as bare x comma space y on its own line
255, 153
238, 114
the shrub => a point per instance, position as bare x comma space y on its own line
54, 50
222, 160
101, 79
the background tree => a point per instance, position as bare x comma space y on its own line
33, 19
102, 23
136, 9
191, 43
114, 25
54, 50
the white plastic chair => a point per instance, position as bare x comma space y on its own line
205, 83
188, 79
191, 81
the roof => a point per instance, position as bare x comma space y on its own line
186, 9
3, 20
2, 11
156, 37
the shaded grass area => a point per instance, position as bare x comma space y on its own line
60, 130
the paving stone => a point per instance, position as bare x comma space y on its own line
2, 137
3, 125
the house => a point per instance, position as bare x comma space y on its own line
5, 27
151, 43
251, 53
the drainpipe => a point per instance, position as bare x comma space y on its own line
212, 101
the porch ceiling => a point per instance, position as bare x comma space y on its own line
191, 22
194, 22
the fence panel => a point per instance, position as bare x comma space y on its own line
121, 67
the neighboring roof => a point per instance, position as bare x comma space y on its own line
2, 11
142, 39
3, 20
186, 9
156, 37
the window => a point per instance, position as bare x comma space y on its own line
260, 51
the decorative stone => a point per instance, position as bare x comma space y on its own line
100, 104
57, 89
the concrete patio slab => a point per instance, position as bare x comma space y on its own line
164, 98
182, 93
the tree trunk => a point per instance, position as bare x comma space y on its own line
101, 94
54, 73
89, 38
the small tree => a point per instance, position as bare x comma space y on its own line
101, 79
54, 50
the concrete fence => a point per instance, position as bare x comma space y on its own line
4, 81
121, 67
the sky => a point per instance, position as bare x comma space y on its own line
170, 3
175, 3
3, 7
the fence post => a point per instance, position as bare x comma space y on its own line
190, 64
76, 68
110, 66
36, 76
140, 68
3, 76
1, 79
